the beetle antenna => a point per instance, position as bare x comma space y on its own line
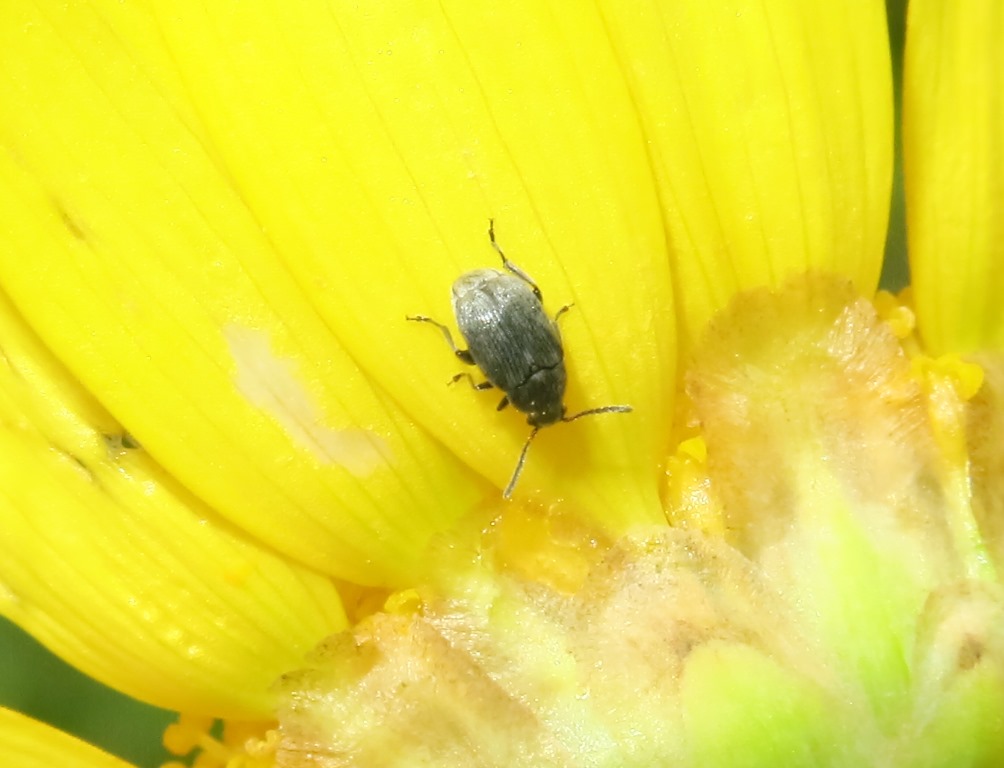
507, 493
519, 464
604, 409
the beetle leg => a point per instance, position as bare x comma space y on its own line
562, 311
474, 384
463, 354
504, 402
509, 265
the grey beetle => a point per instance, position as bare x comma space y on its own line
516, 346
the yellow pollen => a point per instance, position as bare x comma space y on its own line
689, 501
406, 601
896, 312
240, 744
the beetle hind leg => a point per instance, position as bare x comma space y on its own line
509, 265
463, 354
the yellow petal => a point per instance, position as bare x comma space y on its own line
770, 129
121, 571
130, 250
374, 143
953, 158
27, 743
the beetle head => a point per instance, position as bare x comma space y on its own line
550, 412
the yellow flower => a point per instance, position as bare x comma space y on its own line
236, 485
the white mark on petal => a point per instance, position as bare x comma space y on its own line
270, 383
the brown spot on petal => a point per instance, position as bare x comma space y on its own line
970, 652
70, 222
959, 628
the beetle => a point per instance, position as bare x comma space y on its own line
514, 343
